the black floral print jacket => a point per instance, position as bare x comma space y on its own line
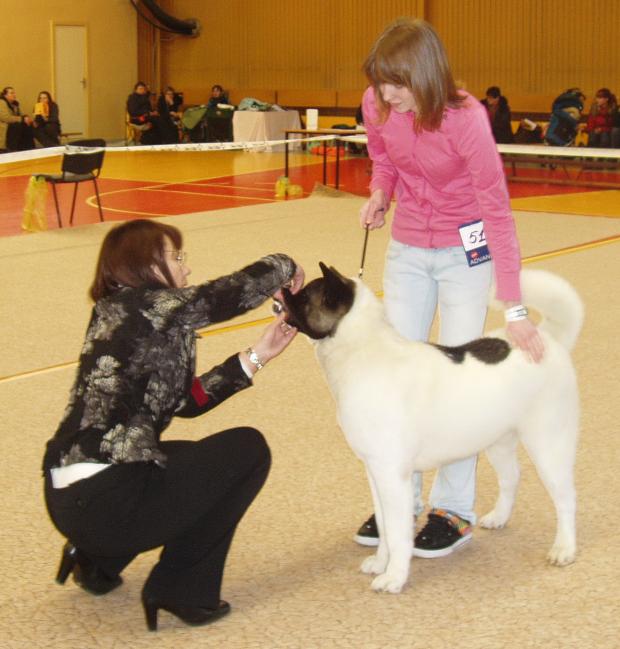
136, 369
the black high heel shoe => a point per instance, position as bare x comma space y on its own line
85, 574
194, 616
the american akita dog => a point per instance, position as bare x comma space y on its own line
409, 406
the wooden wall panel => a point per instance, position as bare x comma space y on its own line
358, 25
278, 43
148, 55
527, 47
530, 47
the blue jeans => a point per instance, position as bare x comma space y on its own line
417, 282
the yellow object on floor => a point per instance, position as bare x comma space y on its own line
282, 185
34, 219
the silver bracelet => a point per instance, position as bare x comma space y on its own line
254, 359
516, 313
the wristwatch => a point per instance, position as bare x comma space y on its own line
254, 359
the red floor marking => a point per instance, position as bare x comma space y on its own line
220, 189
13, 190
136, 199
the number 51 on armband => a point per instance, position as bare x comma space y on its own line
474, 243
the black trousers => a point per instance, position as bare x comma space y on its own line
19, 137
48, 134
191, 508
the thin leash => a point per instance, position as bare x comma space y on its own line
361, 272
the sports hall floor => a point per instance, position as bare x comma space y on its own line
292, 576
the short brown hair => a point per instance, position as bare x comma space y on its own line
409, 53
129, 255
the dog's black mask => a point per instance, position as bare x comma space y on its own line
317, 309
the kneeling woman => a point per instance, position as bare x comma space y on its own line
113, 489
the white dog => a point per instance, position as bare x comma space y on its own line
407, 406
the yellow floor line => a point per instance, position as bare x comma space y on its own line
210, 194
216, 331
235, 186
569, 249
91, 201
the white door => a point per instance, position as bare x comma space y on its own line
71, 77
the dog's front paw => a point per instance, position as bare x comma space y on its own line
373, 565
561, 555
492, 520
388, 583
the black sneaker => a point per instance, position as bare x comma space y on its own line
443, 533
368, 534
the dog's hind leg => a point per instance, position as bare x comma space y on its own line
393, 494
552, 448
503, 457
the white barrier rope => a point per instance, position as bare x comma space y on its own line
264, 145
528, 149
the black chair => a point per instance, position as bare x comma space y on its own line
78, 166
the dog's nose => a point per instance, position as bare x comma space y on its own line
277, 307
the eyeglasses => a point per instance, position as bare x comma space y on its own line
179, 255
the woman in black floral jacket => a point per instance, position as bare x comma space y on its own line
113, 489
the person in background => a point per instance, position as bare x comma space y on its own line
46, 126
15, 128
433, 150
615, 128
113, 488
168, 107
142, 114
601, 118
499, 115
218, 96
566, 112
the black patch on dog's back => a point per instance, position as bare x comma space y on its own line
487, 350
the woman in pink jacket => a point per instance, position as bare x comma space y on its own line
433, 151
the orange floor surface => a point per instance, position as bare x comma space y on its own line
127, 198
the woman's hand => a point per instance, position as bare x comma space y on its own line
372, 213
294, 284
524, 335
276, 337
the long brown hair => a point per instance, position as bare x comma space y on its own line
409, 53
129, 255
50, 100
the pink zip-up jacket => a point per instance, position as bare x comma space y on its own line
442, 179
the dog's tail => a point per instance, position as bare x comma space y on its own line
558, 303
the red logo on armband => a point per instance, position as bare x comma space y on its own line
198, 393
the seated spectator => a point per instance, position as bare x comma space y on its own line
615, 128
499, 115
600, 119
168, 107
142, 114
15, 128
566, 111
218, 96
46, 125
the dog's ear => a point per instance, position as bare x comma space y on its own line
335, 286
331, 275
